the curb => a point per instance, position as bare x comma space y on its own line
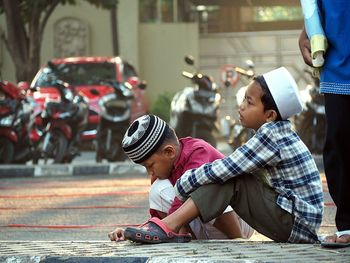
86, 168
117, 168
51, 259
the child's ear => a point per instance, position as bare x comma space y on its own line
271, 115
169, 150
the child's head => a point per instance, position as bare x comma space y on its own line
149, 141
274, 96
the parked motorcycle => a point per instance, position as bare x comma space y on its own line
194, 110
115, 116
17, 138
64, 121
232, 129
311, 123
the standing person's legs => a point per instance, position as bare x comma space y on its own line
336, 158
253, 201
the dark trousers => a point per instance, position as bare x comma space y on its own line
336, 156
252, 200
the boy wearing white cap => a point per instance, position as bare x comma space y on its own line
272, 181
150, 142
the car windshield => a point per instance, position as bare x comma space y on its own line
78, 74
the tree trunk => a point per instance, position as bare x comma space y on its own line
17, 41
24, 45
114, 28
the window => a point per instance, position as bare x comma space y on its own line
165, 11
224, 15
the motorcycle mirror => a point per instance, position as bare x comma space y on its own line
189, 60
51, 65
227, 83
249, 63
23, 85
33, 89
143, 85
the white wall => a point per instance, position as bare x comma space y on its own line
129, 31
162, 50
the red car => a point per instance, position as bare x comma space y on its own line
86, 75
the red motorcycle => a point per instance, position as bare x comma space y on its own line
85, 73
17, 136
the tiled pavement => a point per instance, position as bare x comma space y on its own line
195, 251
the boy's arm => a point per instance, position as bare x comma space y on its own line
197, 158
258, 152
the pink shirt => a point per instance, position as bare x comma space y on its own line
194, 152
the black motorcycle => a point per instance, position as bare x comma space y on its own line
194, 110
115, 118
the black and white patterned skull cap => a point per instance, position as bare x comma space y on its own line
143, 138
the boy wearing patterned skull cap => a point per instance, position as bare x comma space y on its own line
150, 142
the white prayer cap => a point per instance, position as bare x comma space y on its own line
284, 91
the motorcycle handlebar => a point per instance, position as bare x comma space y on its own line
247, 73
187, 74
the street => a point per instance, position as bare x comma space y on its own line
70, 208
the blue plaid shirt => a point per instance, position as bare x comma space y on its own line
278, 151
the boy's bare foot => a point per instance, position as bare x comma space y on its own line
343, 239
331, 238
339, 239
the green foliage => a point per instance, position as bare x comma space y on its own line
278, 13
161, 106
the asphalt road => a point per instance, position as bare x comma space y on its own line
84, 207
71, 207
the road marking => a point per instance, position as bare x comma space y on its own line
73, 207
124, 193
65, 226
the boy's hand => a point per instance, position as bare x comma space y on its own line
117, 235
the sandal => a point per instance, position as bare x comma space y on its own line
337, 244
154, 231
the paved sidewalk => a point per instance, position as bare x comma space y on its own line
195, 251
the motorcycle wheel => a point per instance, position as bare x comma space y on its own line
57, 147
6, 150
115, 153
